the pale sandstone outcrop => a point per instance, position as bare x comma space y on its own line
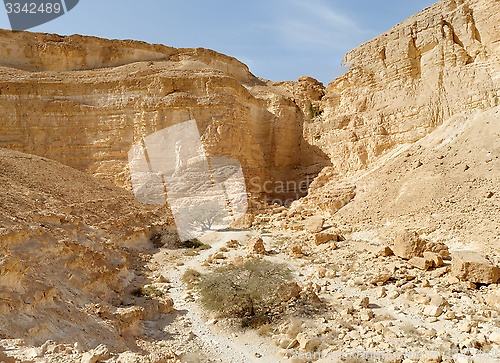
84, 101
438, 63
409, 244
471, 266
68, 251
419, 110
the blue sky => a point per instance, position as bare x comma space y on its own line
277, 39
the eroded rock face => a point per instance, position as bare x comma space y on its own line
84, 101
68, 251
412, 129
402, 84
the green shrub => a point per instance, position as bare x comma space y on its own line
315, 112
252, 291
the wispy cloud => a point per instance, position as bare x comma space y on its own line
317, 23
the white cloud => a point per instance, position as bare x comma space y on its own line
316, 23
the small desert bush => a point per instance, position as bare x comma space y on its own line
196, 244
148, 291
190, 277
251, 292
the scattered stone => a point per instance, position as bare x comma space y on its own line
425, 283
256, 245
381, 292
244, 222
493, 299
218, 256
314, 224
77, 347
433, 311
34, 352
294, 343
165, 305
321, 271
237, 261
471, 266
294, 291
421, 299
325, 237
306, 342
439, 301
437, 260
233, 244
297, 250
6, 359
381, 278
384, 251
421, 263
366, 315
495, 337
363, 302
450, 315
130, 314
96, 355
409, 244
393, 295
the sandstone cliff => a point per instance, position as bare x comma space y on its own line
412, 129
84, 101
402, 84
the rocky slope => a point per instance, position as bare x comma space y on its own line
69, 252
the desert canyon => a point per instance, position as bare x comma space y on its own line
380, 193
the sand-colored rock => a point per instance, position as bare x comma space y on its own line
471, 266
437, 260
256, 245
69, 248
408, 244
421, 263
400, 85
89, 99
314, 224
325, 237
6, 359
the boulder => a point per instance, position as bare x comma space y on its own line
495, 337
96, 355
437, 260
409, 244
421, 263
384, 251
256, 245
473, 267
325, 237
6, 359
244, 222
314, 224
